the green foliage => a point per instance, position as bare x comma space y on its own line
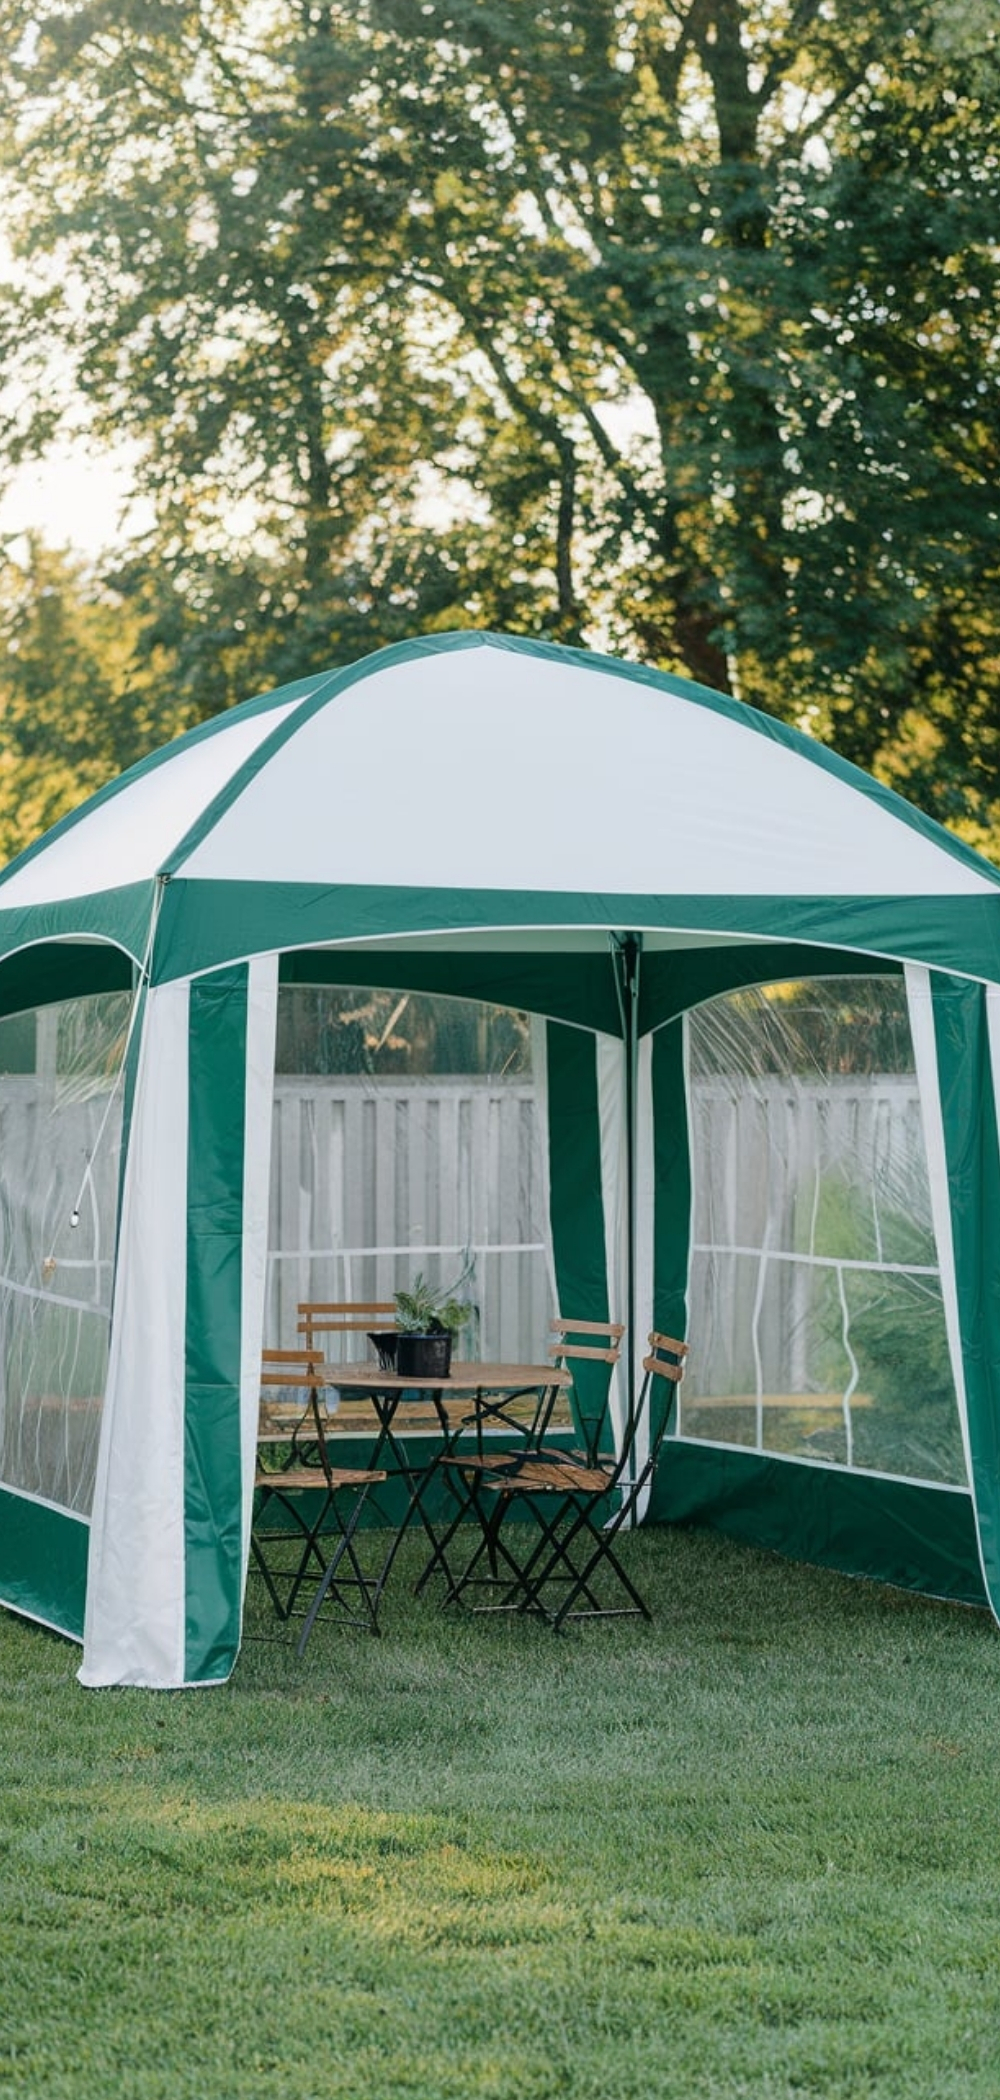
901, 1346
664, 328
427, 1309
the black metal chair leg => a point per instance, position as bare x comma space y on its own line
308, 1532
561, 1566
368, 1587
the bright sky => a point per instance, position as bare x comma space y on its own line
72, 500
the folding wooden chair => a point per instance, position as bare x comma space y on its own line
304, 1505
574, 1343
577, 1506
404, 1454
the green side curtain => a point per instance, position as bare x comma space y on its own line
969, 1115
671, 1182
577, 1222
898, 1531
212, 1467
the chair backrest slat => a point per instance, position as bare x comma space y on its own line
659, 1365
345, 1316
565, 1346
295, 1367
609, 1327
579, 1350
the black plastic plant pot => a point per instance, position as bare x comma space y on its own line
423, 1355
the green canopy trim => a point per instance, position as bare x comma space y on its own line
672, 984
119, 917
206, 924
52, 971
43, 1562
568, 988
915, 1536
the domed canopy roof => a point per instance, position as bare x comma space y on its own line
479, 788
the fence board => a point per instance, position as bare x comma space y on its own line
405, 1175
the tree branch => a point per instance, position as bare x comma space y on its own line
803, 14
666, 65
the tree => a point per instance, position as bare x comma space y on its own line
671, 327
82, 694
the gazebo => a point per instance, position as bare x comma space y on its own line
756, 1003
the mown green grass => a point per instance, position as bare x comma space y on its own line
753, 1849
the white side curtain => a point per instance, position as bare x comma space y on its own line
921, 1012
135, 1629
134, 1623
262, 1006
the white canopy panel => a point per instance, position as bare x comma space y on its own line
487, 768
126, 837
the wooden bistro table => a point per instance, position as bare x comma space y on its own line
492, 1403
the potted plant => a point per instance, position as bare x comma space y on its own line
427, 1321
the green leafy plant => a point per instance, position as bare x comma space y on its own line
426, 1309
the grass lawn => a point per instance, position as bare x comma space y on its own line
753, 1849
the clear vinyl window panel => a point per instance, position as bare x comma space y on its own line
408, 1138
60, 1142
816, 1302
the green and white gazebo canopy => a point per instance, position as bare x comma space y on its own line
474, 790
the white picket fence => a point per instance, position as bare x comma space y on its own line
372, 1182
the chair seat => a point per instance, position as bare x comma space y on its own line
556, 1474
482, 1462
298, 1479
